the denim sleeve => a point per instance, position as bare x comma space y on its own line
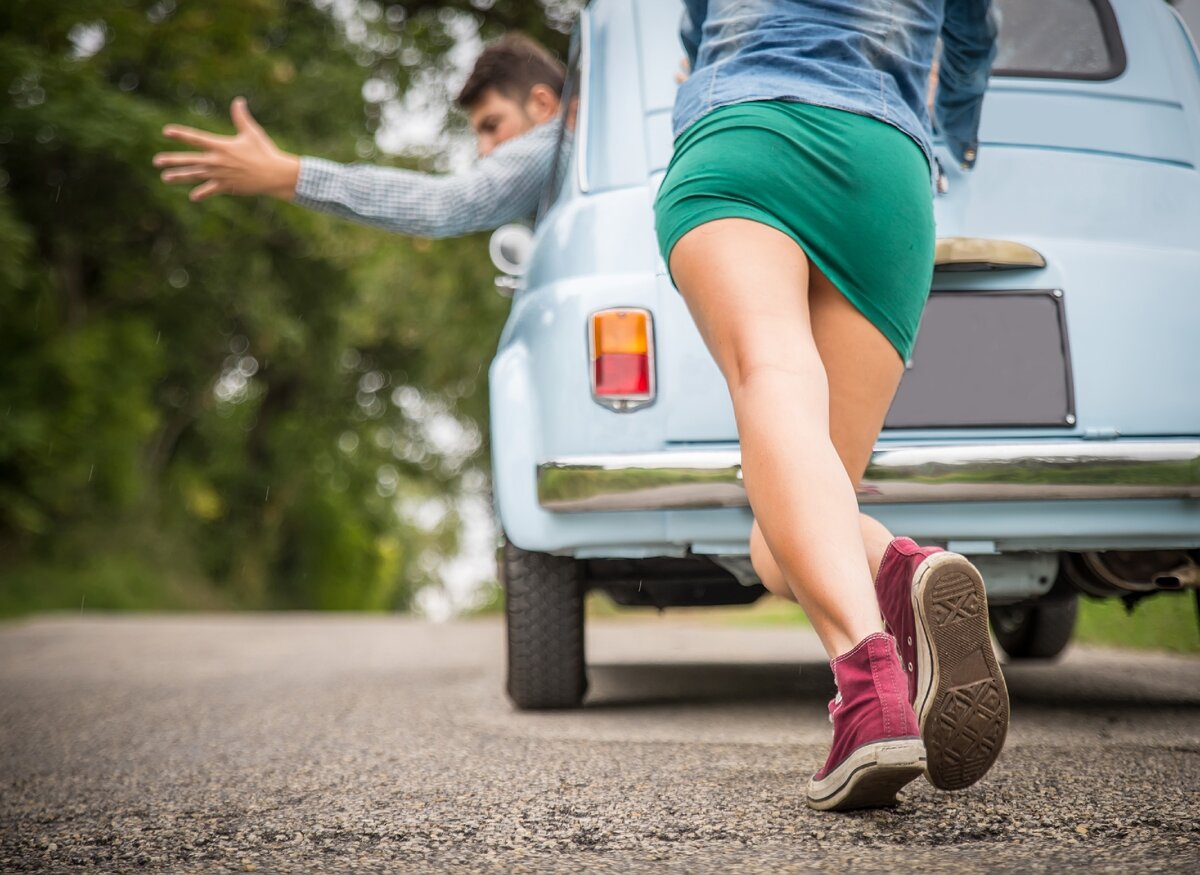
694, 12
968, 48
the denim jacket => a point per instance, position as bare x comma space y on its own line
871, 57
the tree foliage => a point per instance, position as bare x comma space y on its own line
248, 383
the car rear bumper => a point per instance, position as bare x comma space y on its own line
898, 474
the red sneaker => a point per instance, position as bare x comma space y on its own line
935, 604
877, 746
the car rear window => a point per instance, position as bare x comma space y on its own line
1058, 39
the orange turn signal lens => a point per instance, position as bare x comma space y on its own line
620, 331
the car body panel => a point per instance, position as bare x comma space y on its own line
1099, 177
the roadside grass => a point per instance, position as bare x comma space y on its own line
116, 567
767, 611
126, 581
111, 583
1167, 621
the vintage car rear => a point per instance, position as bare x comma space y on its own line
1048, 424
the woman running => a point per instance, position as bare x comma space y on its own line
796, 218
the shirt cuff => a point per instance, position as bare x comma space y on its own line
317, 181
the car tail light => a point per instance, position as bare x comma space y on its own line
621, 345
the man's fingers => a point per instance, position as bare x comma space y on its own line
242, 120
193, 137
187, 174
205, 190
685, 70
183, 159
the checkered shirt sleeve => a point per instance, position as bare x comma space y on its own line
502, 187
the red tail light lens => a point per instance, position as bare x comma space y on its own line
622, 352
619, 373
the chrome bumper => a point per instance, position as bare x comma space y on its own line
692, 479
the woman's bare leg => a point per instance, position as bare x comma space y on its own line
876, 538
747, 287
858, 404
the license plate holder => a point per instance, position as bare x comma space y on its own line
988, 359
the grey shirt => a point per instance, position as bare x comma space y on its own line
502, 187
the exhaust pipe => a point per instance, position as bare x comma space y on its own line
1185, 576
1118, 572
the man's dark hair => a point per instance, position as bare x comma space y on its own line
512, 65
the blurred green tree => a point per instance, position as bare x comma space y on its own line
236, 393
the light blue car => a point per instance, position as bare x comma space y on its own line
1048, 425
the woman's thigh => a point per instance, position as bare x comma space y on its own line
759, 302
745, 285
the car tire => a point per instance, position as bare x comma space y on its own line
1040, 630
543, 607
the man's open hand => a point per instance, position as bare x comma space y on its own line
246, 163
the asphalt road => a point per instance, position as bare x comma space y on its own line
317, 743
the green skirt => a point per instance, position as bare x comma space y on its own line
852, 191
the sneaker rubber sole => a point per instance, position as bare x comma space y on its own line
962, 702
870, 776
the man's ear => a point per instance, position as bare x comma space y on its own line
542, 104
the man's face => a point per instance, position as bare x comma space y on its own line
497, 119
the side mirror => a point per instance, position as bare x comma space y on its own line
509, 249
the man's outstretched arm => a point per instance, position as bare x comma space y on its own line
500, 188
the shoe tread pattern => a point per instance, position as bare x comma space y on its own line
966, 721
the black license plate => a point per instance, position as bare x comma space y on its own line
988, 358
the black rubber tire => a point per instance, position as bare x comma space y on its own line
1040, 630
543, 607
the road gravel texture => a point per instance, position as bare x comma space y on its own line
302, 743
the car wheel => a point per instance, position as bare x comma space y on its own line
1036, 631
543, 607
